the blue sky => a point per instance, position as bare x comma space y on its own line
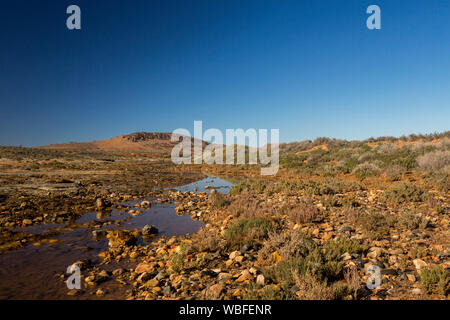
308, 68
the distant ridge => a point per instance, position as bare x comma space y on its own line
157, 142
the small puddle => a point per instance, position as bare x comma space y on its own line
32, 272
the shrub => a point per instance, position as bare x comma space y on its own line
375, 224
365, 170
288, 244
204, 240
305, 213
335, 249
246, 206
247, 232
403, 192
410, 221
331, 186
436, 280
436, 160
218, 200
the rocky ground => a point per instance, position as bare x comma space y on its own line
320, 229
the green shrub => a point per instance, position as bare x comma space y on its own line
218, 200
375, 224
403, 192
436, 280
247, 232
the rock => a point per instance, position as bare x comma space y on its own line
346, 256
102, 276
419, 264
416, 291
253, 270
152, 283
100, 293
245, 276
145, 203
119, 238
149, 230
260, 280
234, 254
73, 292
224, 276
161, 275
345, 229
156, 289
102, 204
215, 290
374, 252
411, 277
27, 222
144, 267
239, 259
118, 272
98, 234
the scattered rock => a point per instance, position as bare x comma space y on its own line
419, 264
215, 290
144, 267
149, 230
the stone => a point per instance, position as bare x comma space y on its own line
419, 264
253, 270
224, 276
27, 222
239, 259
215, 290
260, 280
145, 203
102, 276
245, 275
411, 277
119, 238
102, 203
98, 234
345, 229
149, 230
416, 291
346, 256
161, 275
375, 252
234, 254
73, 292
118, 272
152, 283
156, 289
100, 293
144, 267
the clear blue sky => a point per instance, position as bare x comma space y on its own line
309, 68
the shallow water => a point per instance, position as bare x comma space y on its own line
32, 272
